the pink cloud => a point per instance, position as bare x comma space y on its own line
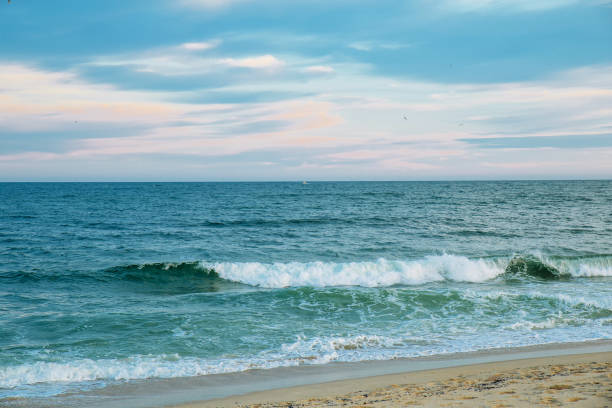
199, 46
261, 62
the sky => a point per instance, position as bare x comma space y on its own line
265, 90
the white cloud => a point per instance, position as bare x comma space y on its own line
181, 60
260, 62
43, 101
199, 46
35, 100
209, 4
371, 45
503, 5
319, 69
356, 117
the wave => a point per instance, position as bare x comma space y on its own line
596, 266
214, 276
532, 266
566, 313
303, 351
171, 278
161, 272
135, 367
378, 273
384, 273
158, 278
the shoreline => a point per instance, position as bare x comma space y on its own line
351, 377
315, 381
308, 381
582, 380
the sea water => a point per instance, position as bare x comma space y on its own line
106, 283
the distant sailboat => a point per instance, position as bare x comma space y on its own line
304, 182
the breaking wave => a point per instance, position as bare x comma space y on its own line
213, 276
383, 273
378, 273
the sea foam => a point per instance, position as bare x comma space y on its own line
378, 273
383, 272
135, 367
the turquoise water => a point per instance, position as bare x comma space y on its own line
103, 283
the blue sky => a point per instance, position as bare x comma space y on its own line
316, 90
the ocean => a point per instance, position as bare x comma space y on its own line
111, 283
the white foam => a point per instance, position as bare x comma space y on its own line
582, 267
380, 273
316, 350
136, 367
547, 324
573, 300
303, 351
585, 270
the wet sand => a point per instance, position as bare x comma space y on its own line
580, 380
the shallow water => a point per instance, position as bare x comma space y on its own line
103, 283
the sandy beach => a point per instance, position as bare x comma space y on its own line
581, 380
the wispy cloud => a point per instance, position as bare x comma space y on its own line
536, 142
259, 62
41, 100
503, 5
412, 89
200, 46
356, 123
373, 45
319, 69
180, 61
208, 4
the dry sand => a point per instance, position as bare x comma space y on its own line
582, 380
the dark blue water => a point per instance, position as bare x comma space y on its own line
108, 282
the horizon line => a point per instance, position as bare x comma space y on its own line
300, 181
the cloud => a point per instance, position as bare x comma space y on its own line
503, 5
372, 126
372, 45
183, 60
554, 165
536, 142
209, 4
36, 100
260, 62
199, 46
319, 69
